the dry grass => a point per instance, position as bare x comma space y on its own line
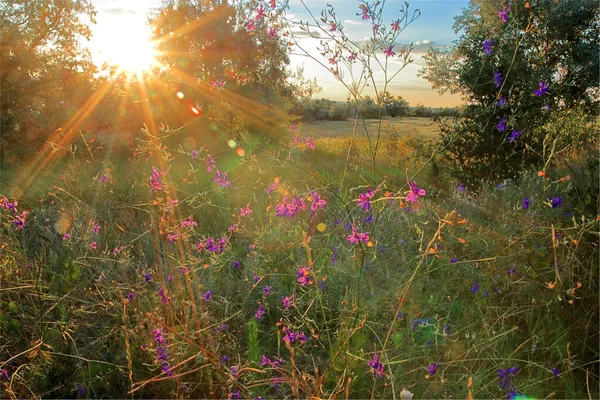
401, 125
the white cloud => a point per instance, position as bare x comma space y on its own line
352, 22
423, 42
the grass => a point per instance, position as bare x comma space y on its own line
468, 279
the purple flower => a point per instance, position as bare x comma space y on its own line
498, 79
224, 359
461, 187
19, 221
80, 391
207, 296
155, 181
511, 270
104, 179
501, 125
96, 228
267, 290
304, 276
556, 202
147, 277
236, 264
453, 260
501, 102
287, 302
543, 90
376, 365
4, 373
317, 203
504, 376
66, 236
210, 163
504, 15
388, 52
526, 202
260, 312
432, 368
195, 154
221, 179
414, 193
512, 138
475, 287
364, 200
556, 372
163, 296
487, 46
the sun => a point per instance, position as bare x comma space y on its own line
124, 42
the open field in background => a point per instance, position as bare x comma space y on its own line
400, 125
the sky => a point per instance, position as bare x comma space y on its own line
118, 19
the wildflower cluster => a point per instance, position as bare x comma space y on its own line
161, 350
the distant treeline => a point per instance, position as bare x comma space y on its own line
331, 110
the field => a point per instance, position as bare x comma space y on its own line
291, 275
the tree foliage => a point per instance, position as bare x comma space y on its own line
208, 45
46, 73
501, 67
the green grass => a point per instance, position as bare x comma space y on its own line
64, 311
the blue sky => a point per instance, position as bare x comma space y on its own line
433, 28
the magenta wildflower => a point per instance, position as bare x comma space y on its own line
93, 245
364, 200
396, 25
260, 312
267, 290
80, 391
504, 15
273, 33
155, 181
318, 203
365, 12
207, 296
543, 90
388, 52
19, 221
310, 143
356, 238
245, 211
66, 236
376, 365
173, 237
96, 228
4, 373
250, 26
272, 187
221, 179
260, 13
188, 222
163, 296
104, 179
432, 368
414, 193
195, 154
147, 277
304, 276
210, 163
220, 85
287, 302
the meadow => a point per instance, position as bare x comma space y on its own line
289, 275
201, 240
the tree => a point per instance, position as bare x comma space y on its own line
227, 57
46, 75
394, 106
519, 67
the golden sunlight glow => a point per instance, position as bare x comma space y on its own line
124, 43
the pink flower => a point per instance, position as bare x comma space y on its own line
356, 238
388, 52
260, 13
245, 210
414, 193
364, 200
210, 163
93, 245
396, 26
188, 222
272, 187
273, 33
96, 228
287, 302
304, 276
318, 203
155, 180
310, 143
250, 26
66, 236
504, 15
